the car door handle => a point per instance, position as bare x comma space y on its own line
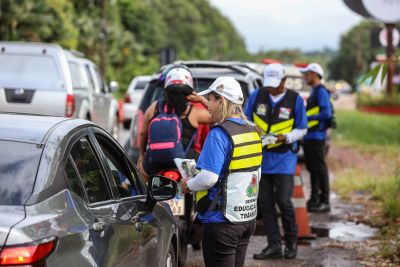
99, 227
135, 218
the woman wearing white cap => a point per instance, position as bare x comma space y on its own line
227, 185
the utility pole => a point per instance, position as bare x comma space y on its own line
103, 37
390, 54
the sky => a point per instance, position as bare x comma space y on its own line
308, 25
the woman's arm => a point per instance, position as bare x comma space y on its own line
148, 115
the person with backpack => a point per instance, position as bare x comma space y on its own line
320, 118
170, 124
226, 188
280, 116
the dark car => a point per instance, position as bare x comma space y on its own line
204, 74
71, 196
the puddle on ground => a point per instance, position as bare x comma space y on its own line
350, 231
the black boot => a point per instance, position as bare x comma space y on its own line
272, 252
290, 249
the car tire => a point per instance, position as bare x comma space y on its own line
126, 124
170, 261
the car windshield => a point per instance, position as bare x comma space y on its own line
154, 92
18, 166
32, 71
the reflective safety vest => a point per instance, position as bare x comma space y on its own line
312, 109
239, 187
276, 120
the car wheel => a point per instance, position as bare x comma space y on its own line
126, 124
115, 128
170, 261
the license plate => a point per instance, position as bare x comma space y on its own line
177, 206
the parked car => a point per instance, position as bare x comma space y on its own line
37, 78
71, 196
133, 96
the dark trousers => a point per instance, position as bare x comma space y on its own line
225, 244
314, 155
277, 189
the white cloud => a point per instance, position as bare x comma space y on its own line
278, 24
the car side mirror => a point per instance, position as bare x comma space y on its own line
113, 85
161, 188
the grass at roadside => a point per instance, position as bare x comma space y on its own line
374, 138
368, 129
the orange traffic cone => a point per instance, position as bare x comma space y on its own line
300, 206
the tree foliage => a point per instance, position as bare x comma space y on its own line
133, 31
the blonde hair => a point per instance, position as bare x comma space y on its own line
228, 109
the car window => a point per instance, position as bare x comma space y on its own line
18, 166
90, 78
90, 172
78, 81
140, 85
74, 181
102, 85
123, 176
24, 69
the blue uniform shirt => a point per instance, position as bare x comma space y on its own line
325, 113
273, 162
215, 157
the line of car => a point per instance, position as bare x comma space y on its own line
71, 194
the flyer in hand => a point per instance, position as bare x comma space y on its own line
186, 167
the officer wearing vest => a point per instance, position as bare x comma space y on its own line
280, 116
226, 188
319, 114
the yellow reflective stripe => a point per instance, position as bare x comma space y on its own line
312, 123
201, 194
282, 125
245, 163
283, 131
247, 150
260, 123
313, 111
245, 138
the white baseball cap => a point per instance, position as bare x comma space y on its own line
273, 75
228, 87
314, 67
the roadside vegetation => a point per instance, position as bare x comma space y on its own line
369, 172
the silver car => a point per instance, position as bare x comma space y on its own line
37, 78
71, 196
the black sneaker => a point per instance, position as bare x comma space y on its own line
269, 253
320, 208
290, 250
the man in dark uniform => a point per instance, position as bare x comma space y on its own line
280, 115
319, 115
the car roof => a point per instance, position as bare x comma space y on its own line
25, 127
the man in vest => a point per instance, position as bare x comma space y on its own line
319, 114
280, 115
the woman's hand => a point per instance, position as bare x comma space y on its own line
141, 169
194, 97
184, 186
